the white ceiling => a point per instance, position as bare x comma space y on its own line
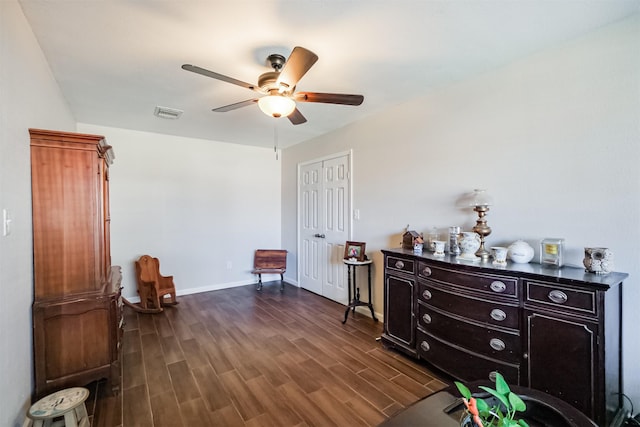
116, 60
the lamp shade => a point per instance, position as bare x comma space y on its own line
276, 105
480, 198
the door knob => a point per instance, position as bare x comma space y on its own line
322, 236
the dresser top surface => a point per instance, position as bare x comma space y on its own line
565, 273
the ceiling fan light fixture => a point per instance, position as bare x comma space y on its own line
276, 105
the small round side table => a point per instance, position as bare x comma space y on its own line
67, 403
351, 277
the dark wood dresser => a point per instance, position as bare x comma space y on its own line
554, 330
77, 309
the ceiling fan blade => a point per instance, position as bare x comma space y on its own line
296, 117
207, 73
329, 98
299, 62
235, 106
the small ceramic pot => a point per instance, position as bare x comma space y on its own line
499, 255
438, 246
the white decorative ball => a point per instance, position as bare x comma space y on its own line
520, 252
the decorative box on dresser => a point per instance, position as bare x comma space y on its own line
557, 330
77, 309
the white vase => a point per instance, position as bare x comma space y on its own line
469, 242
520, 252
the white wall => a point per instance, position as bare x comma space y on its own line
29, 97
555, 138
196, 205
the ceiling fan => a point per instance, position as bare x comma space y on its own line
277, 87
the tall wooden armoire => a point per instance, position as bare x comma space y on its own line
77, 308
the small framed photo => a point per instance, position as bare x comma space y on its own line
551, 251
354, 250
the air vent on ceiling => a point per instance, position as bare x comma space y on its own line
167, 113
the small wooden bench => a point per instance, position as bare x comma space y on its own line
270, 261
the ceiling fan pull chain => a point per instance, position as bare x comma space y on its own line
275, 139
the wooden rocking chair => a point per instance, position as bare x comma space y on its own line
152, 286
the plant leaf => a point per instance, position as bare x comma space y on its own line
523, 423
482, 405
501, 385
517, 402
464, 391
498, 396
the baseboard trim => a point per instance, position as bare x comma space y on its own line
191, 291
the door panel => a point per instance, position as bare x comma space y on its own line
311, 257
324, 211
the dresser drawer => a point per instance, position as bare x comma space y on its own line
500, 345
480, 282
400, 264
561, 297
481, 310
461, 364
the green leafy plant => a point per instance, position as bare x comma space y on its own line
500, 414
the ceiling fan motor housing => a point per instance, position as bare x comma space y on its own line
267, 81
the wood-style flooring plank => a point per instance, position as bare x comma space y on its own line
341, 415
183, 382
194, 354
211, 388
133, 370
157, 375
171, 349
136, 411
131, 341
108, 407
305, 406
194, 413
227, 417
275, 403
247, 404
165, 409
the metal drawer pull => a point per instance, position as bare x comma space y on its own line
558, 297
498, 286
498, 315
497, 344
426, 294
425, 346
426, 318
426, 271
399, 265
492, 376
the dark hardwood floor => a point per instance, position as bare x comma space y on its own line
238, 357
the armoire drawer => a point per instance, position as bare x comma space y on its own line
498, 344
480, 282
461, 364
479, 309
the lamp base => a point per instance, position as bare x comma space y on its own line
483, 253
